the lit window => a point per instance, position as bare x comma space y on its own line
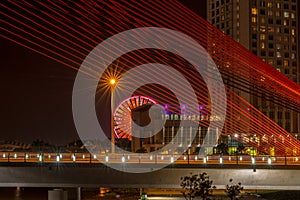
254, 11
277, 5
293, 56
253, 19
262, 29
286, 14
270, 61
263, 20
278, 46
270, 4
292, 15
278, 55
238, 16
262, 45
262, 36
271, 29
285, 22
270, 13
286, 63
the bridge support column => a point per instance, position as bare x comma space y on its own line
79, 193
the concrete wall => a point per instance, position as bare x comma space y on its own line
93, 176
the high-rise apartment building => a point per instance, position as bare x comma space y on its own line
268, 28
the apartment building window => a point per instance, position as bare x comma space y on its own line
278, 55
271, 37
278, 5
212, 6
253, 19
271, 45
286, 30
285, 6
262, 29
286, 55
293, 23
278, 29
286, 14
270, 29
254, 11
278, 21
263, 53
263, 20
293, 15
263, 3
285, 22
262, 36
271, 53
286, 71
293, 56
213, 13
279, 63
254, 44
270, 13
270, 61
262, 11
270, 5
278, 46
293, 7
270, 20
285, 63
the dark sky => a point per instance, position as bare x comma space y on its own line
36, 93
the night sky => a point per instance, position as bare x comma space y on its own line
37, 93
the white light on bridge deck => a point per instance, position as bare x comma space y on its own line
241, 158
73, 157
57, 158
221, 160
15, 155
204, 160
49, 156
106, 158
83, 156
184, 158
253, 160
4, 155
269, 161
95, 156
26, 155
296, 159
40, 158
196, 158
151, 157
162, 157
263, 159
172, 159
123, 159
229, 158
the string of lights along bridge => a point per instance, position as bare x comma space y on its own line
67, 31
156, 159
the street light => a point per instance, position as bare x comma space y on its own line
112, 83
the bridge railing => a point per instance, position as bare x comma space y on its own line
51, 157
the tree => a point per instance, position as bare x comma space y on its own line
233, 190
196, 185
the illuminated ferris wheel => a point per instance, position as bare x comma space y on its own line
123, 115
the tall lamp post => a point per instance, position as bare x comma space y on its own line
112, 83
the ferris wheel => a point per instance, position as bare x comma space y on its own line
123, 115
